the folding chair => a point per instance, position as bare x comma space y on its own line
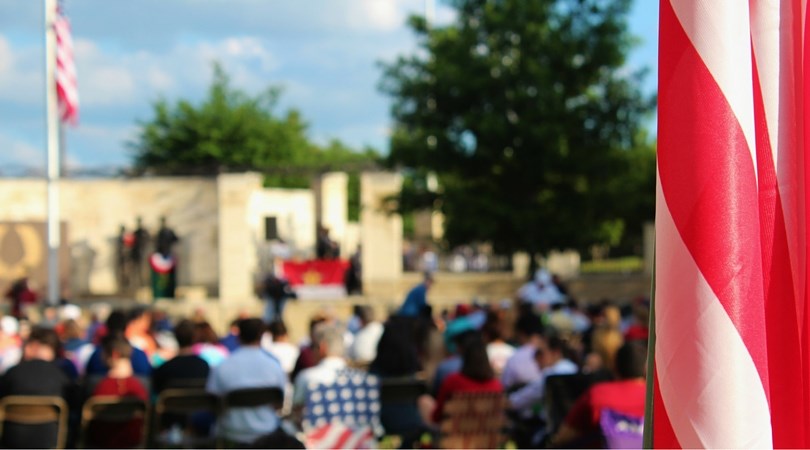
561, 391
183, 402
401, 389
35, 410
254, 397
473, 420
114, 410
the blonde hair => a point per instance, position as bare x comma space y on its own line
605, 342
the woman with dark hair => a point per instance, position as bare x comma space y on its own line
397, 359
476, 375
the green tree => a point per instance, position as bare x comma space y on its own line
231, 131
526, 112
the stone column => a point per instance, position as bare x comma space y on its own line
381, 233
237, 255
332, 203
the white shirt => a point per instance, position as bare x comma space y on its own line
364, 347
531, 394
521, 368
285, 352
324, 373
499, 353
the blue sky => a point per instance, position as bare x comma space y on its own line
324, 54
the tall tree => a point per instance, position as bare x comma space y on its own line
530, 118
231, 130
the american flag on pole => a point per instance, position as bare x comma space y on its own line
731, 340
66, 88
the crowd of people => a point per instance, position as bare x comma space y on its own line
509, 347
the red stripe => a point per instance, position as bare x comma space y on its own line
67, 90
803, 118
784, 361
344, 437
318, 433
708, 180
663, 434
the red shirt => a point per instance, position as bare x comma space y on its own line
624, 396
118, 435
459, 383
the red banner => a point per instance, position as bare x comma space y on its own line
315, 272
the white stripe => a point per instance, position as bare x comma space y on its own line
720, 32
359, 439
709, 384
331, 437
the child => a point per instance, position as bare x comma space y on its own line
119, 382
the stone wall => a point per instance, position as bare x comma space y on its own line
94, 210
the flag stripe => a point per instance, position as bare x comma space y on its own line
707, 177
708, 381
715, 30
785, 363
710, 352
66, 85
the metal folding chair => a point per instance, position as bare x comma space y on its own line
35, 410
115, 410
183, 402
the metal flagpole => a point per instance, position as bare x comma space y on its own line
52, 122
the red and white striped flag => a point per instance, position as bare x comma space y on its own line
731, 337
66, 88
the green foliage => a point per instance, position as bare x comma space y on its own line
527, 114
233, 131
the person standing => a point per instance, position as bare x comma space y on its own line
415, 304
140, 242
275, 291
163, 262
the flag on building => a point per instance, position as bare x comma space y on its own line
730, 344
66, 87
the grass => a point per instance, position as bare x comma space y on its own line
617, 265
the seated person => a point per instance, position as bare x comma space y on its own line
476, 375
184, 368
37, 375
247, 367
397, 357
117, 325
119, 382
280, 346
328, 347
626, 396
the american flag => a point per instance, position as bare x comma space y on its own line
345, 414
66, 88
732, 317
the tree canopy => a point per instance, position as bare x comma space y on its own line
230, 131
530, 118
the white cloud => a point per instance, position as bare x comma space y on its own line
17, 152
21, 79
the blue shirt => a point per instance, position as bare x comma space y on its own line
140, 363
247, 367
415, 301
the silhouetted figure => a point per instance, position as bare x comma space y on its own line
163, 262
137, 254
165, 239
325, 248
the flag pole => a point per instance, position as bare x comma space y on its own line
53, 153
